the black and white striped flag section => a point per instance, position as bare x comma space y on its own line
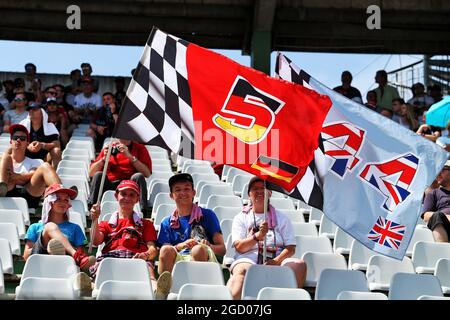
202, 105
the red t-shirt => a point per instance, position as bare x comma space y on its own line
120, 167
148, 234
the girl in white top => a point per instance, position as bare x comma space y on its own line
248, 232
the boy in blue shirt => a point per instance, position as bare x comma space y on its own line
189, 233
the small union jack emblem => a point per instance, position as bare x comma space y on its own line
387, 233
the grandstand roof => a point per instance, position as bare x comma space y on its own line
415, 26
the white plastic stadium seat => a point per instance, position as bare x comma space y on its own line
410, 286
354, 295
212, 189
359, 256
239, 182
76, 217
46, 289
16, 203
157, 188
163, 210
312, 244
203, 168
282, 204
194, 272
420, 234
6, 257
342, 242
225, 226
426, 255
261, 276
293, 215
162, 197
125, 290
380, 270
2, 280
191, 291
332, 282
315, 216
122, 270
327, 228
197, 177
442, 272
305, 229
270, 293
9, 232
222, 200
16, 217
316, 262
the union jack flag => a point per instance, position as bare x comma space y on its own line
387, 233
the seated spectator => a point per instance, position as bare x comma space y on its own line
189, 233
44, 137
408, 117
388, 113
436, 207
128, 161
21, 176
58, 117
249, 229
103, 122
3, 100
371, 100
74, 88
444, 140
54, 234
396, 109
86, 68
9, 90
17, 113
429, 132
88, 101
120, 90
347, 90
435, 92
125, 234
420, 99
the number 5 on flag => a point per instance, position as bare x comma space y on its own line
248, 112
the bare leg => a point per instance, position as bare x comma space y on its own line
55, 155
6, 170
299, 268
51, 231
167, 256
199, 253
44, 176
439, 234
152, 278
236, 281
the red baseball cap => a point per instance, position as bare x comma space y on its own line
72, 192
128, 184
18, 127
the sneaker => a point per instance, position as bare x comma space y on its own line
55, 247
163, 285
3, 189
83, 260
83, 284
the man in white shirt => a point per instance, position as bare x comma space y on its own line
21, 176
249, 229
88, 101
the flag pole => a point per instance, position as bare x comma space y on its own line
100, 191
265, 219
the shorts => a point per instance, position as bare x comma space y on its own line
188, 256
439, 218
38, 247
21, 192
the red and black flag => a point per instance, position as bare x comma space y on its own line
202, 105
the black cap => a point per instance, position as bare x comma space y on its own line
33, 105
252, 181
180, 177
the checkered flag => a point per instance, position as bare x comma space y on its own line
309, 189
157, 109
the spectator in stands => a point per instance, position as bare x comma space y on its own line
189, 233
396, 109
17, 112
88, 101
125, 234
129, 161
58, 117
59, 89
19, 87
444, 140
347, 90
436, 207
387, 113
249, 229
120, 90
385, 92
30, 77
55, 234
420, 99
435, 92
103, 122
371, 100
21, 176
429, 132
44, 137
9, 90
3, 100
408, 117
86, 68
74, 88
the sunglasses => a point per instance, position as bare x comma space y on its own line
21, 138
20, 99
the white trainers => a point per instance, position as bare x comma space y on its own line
83, 284
163, 285
55, 247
